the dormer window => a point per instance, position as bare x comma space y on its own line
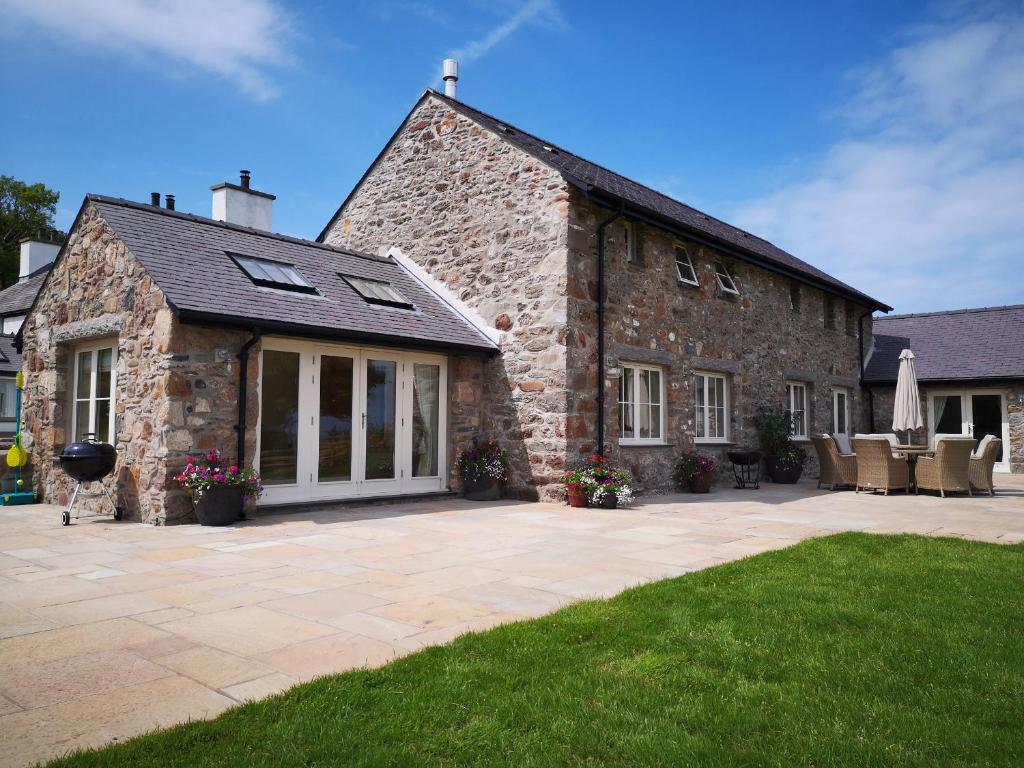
377, 292
272, 274
684, 267
726, 283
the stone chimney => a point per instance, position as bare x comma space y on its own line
35, 254
242, 205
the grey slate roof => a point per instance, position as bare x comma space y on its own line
10, 359
591, 177
16, 299
965, 344
187, 257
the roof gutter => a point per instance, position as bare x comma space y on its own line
608, 200
273, 327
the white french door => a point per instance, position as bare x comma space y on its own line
341, 421
972, 412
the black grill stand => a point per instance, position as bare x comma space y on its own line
746, 468
66, 516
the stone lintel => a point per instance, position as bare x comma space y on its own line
83, 330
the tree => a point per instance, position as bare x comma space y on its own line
25, 211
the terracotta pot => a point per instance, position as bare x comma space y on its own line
486, 489
578, 499
701, 483
220, 505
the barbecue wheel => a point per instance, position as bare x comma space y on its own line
65, 518
119, 513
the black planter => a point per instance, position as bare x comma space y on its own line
787, 474
609, 500
485, 489
220, 505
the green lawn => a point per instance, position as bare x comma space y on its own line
851, 650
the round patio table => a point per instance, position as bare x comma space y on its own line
911, 453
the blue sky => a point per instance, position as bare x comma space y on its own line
883, 142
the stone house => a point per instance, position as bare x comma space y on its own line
477, 281
703, 322
970, 370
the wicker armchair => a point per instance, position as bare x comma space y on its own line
949, 469
836, 468
982, 462
877, 468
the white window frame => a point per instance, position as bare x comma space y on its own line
836, 392
94, 348
791, 390
710, 376
629, 235
634, 370
689, 262
726, 282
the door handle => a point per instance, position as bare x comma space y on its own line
363, 422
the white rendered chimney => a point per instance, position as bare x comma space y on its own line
450, 75
35, 254
238, 204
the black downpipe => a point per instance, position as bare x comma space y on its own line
863, 384
600, 329
243, 386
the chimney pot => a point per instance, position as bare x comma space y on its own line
169, 202
245, 177
450, 75
154, 199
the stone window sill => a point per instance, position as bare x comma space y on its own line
647, 445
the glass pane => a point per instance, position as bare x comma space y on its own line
948, 415
841, 413
626, 420
987, 415
293, 276
254, 269
276, 273
106, 359
8, 398
81, 419
656, 422
644, 420
798, 423
719, 430
713, 422
380, 419
426, 404
103, 421
84, 390
335, 460
699, 393
279, 420
645, 387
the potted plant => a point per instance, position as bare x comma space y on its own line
218, 492
596, 482
784, 458
696, 471
483, 470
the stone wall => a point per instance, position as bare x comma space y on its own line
759, 341
175, 385
489, 221
884, 401
97, 290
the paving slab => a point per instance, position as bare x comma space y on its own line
111, 629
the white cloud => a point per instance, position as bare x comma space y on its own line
921, 203
542, 12
238, 40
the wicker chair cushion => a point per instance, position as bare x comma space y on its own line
942, 436
843, 443
980, 450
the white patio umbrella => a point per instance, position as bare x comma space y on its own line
906, 412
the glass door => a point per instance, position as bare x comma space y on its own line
973, 413
338, 422
987, 416
380, 391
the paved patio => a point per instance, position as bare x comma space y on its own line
110, 629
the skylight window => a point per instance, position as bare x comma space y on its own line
378, 292
273, 274
725, 282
